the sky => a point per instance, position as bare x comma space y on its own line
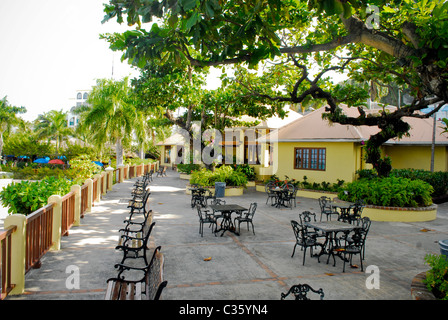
49, 49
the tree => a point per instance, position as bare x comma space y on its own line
400, 41
110, 114
8, 117
171, 98
53, 125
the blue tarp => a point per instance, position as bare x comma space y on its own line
98, 163
42, 160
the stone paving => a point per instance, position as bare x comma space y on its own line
244, 267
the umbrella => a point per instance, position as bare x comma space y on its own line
41, 160
98, 163
56, 161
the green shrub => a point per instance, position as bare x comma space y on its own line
188, 168
248, 171
438, 180
437, 277
26, 197
390, 192
225, 174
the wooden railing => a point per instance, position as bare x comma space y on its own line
39, 227
5, 262
39, 238
84, 199
95, 194
68, 212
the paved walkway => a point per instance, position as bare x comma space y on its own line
249, 267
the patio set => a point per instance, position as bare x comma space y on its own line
211, 208
343, 237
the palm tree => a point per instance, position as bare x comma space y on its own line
8, 117
110, 114
53, 125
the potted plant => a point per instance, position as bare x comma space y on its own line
436, 279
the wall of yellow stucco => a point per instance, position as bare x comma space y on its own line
342, 161
417, 157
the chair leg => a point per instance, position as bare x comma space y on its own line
294, 250
304, 254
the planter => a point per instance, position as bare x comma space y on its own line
229, 191
250, 184
396, 214
184, 176
419, 291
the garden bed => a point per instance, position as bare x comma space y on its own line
228, 192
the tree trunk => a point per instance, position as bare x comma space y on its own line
119, 152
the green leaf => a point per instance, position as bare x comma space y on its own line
188, 4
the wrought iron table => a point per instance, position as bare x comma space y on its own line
279, 197
345, 210
226, 210
331, 228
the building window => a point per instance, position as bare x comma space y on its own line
79, 96
84, 96
310, 158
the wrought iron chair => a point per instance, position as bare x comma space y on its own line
353, 244
326, 208
198, 198
205, 217
307, 216
304, 239
291, 194
247, 216
364, 223
289, 197
271, 195
300, 292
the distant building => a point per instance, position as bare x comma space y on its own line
80, 100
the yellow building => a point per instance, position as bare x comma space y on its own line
238, 145
323, 151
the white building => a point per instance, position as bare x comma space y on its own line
81, 99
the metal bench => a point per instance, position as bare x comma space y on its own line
148, 286
134, 244
300, 292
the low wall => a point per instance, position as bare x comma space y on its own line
228, 192
379, 213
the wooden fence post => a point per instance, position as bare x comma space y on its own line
18, 251
77, 190
89, 183
110, 176
57, 221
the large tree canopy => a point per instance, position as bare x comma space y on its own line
400, 41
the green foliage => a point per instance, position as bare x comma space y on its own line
438, 180
225, 174
26, 197
389, 192
188, 168
248, 171
83, 168
437, 277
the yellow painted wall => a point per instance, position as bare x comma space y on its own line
417, 157
342, 161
